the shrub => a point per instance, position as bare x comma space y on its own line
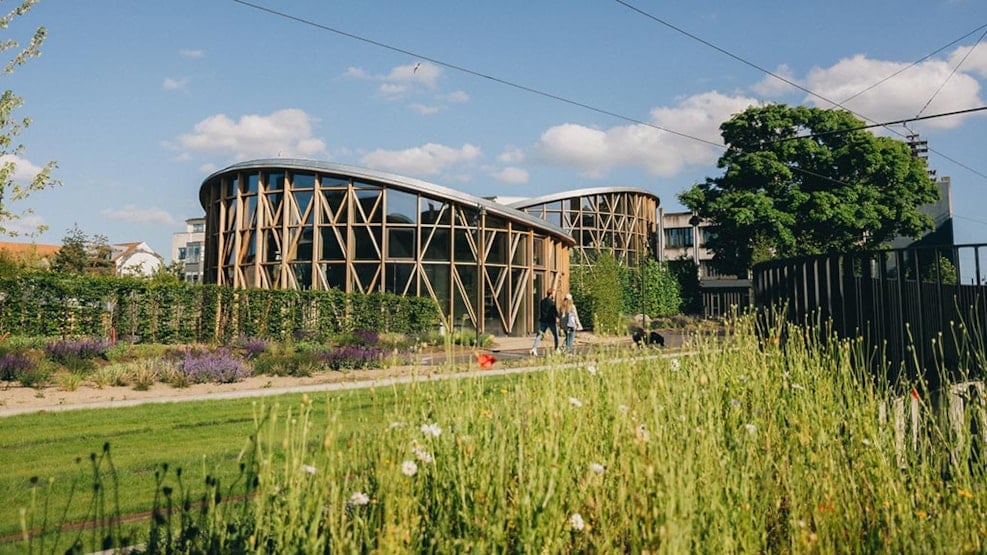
296, 364
353, 357
66, 351
253, 346
15, 364
218, 366
112, 375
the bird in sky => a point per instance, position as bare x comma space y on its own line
418, 65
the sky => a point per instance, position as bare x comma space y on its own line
138, 102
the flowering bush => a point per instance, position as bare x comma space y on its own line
218, 366
14, 365
254, 346
85, 348
353, 357
367, 338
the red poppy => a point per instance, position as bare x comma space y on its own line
914, 394
485, 360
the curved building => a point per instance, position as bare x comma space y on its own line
300, 224
623, 219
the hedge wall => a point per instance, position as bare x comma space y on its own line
52, 304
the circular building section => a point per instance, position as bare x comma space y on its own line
621, 219
300, 224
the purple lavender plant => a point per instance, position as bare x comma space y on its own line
254, 346
219, 366
352, 357
13, 365
84, 348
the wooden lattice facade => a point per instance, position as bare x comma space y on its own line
298, 224
621, 219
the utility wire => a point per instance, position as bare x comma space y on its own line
788, 81
475, 73
951, 73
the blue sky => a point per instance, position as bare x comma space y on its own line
138, 101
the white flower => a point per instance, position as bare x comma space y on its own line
591, 369
576, 522
409, 468
424, 456
431, 430
575, 402
596, 468
308, 469
642, 433
866, 442
798, 387
395, 425
750, 428
675, 364
358, 498
623, 408
734, 403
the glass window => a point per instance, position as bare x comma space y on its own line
302, 181
199, 227
398, 276
402, 208
275, 181
335, 274
366, 242
401, 242
331, 249
252, 184
678, 237
368, 201
464, 246
438, 247
335, 200
181, 253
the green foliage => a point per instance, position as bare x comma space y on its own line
598, 292
80, 254
137, 310
783, 196
687, 276
10, 126
652, 289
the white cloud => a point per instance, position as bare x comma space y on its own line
24, 170
511, 155
457, 97
131, 213
419, 72
428, 159
772, 87
594, 152
901, 96
190, 53
286, 133
512, 175
357, 73
172, 84
424, 109
975, 62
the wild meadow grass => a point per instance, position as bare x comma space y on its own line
743, 446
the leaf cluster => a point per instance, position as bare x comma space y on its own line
800, 180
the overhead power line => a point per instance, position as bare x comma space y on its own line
796, 85
474, 73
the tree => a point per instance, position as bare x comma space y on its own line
800, 180
10, 127
81, 254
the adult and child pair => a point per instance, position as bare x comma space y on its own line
550, 316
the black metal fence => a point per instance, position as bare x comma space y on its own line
919, 312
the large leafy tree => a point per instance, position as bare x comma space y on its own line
800, 180
81, 254
11, 189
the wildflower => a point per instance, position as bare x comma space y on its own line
623, 408
431, 430
596, 468
409, 468
591, 369
575, 402
642, 434
424, 456
866, 442
964, 493
798, 387
576, 522
308, 469
750, 428
395, 425
358, 499
734, 403
922, 515
675, 364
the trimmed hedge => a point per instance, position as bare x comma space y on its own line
52, 304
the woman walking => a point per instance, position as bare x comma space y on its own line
569, 317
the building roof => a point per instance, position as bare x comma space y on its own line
397, 182
26, 250
545, 199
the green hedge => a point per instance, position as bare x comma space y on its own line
53, 304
